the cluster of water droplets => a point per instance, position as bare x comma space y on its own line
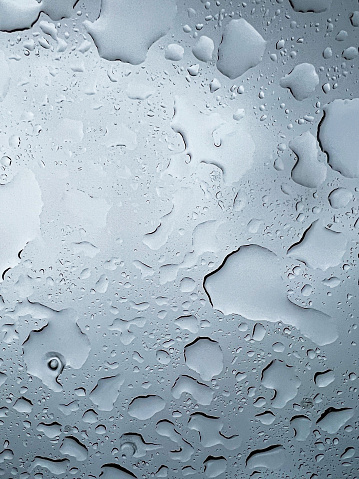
179, 240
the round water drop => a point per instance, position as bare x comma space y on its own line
307, 290
174, 52
340, 198
128, 449
163, 357
5, 161
54, 364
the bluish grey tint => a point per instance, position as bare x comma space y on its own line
179, 239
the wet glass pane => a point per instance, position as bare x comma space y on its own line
179, 239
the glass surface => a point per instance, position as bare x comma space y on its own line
179, 239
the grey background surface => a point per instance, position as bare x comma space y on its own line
115, 208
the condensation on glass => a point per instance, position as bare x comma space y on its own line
179, 239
